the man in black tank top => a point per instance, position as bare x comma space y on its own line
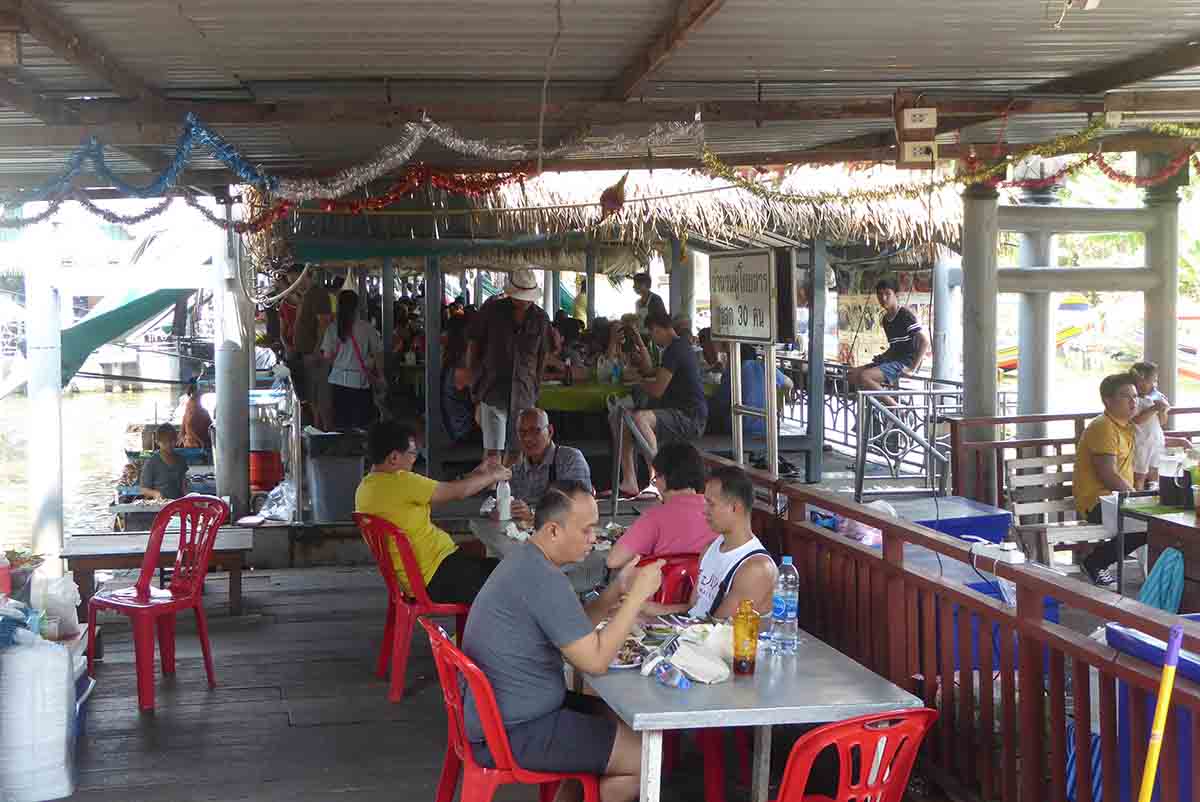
735, 566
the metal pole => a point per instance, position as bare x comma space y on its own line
735, 401
478, 294
555, 293
548, 294
772, 399
43, 345
232, 346
817, 297
433, 366
591, 285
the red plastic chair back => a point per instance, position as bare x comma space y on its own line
875, 755
679, 576
200, 518
378, 532
452, 665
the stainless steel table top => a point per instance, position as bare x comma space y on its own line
817, 685
584, 575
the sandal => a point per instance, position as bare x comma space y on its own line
624, 496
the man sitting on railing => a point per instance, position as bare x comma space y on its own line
907, 345
1104, 464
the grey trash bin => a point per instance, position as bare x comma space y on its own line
334, 464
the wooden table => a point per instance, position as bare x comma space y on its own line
86, 554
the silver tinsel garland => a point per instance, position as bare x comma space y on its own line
346, 181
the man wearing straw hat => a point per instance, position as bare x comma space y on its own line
506, 353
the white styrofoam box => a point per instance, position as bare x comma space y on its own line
37, 722
1108, 508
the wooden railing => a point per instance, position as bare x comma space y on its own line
1002, 731
977, 466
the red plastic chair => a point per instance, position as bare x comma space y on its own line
680, 572
882, 747
479, 783
149, 608
403, 608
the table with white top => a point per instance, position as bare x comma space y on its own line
816, 686
583, 575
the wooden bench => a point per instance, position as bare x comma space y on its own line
1041, 488
87, 554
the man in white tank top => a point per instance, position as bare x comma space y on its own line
735, 566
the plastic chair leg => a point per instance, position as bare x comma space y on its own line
385, 648
670, 760
448, 782
714, 764
401, 639
547, 791
143, 650
478, 788
202, 631
91, 654
743, 742
166, 643
460, 626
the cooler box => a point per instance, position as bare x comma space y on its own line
334, 464
1152, 650
1050, 613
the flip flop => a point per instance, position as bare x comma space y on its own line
624, 496
649, 494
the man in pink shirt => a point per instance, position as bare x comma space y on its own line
678, 525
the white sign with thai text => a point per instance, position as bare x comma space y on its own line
742, 290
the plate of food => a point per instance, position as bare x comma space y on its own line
630, 655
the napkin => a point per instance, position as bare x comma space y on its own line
717, 639
515, 532
699, 664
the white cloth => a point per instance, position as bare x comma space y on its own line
347, 370
1150, 442
715, 565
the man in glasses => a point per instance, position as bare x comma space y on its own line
392, 491
542, 463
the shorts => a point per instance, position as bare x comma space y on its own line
1147, 452
577, 739
675, 425
459, 578
493, 422
892, 370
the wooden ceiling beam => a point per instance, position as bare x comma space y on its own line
690, 16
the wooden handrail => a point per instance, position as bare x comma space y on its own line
1045, 417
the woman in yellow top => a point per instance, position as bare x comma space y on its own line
392, 491
1104, 464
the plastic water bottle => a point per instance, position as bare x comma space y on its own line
504, 500
784, 626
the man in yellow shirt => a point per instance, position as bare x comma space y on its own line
1104, 464
392, 491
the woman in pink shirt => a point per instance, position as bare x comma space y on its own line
677, 526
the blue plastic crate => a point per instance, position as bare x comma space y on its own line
1138, 644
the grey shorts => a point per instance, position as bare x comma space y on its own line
493, 422
675, 425
576, 738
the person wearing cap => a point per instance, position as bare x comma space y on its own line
508, 340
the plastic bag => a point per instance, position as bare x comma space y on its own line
281, 502
59, 597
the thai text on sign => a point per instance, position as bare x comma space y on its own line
742, 288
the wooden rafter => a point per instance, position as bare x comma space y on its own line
689, 16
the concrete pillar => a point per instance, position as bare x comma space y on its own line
980, 290
43, 348
548, 293
591, 285
1162, 256
1035, 339
683, 282
233, 345
387, 319
434, 441
555, 293
946, 341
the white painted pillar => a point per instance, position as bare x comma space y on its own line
43, 347
591, 286
1162, 256
1035, 339
683, 282
980, 291
548, 293
555, 294
233, 345
946, 341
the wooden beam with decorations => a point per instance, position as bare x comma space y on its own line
689, 16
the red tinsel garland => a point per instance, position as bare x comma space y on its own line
421, 175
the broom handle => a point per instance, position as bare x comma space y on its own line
1165, 686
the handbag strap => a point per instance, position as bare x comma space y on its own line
370, 374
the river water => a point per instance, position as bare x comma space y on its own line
93, 442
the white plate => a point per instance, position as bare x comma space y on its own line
614, 666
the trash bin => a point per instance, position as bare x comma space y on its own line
334, 464
1138, 644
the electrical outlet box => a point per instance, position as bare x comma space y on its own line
924, 152
918, 118
999, 552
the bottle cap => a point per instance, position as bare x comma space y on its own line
787, 560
